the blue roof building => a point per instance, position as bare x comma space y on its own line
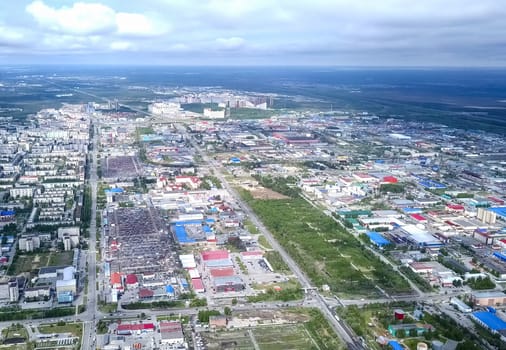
489, 320
378, 239
395, 345
169, 289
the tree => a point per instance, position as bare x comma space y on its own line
227, 311
234, 301
413, 332
401, 333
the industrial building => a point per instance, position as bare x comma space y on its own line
490, 321
377, 239
463, 307
419, 327
493, 298
228, 284
171, 333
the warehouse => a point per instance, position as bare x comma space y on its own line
378, 239
198, 285
228, 284
223, 272
490, 321
171, 333
420, 237
188, 261
493, 298
214, 255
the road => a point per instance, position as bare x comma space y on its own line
89, 317
339, 327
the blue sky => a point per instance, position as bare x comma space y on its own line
255, 32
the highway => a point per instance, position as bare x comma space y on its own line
89, 317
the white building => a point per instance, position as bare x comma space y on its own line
29, 243
19, 192
209, 113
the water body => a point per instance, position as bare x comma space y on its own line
472, 99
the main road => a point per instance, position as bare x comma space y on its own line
89, 317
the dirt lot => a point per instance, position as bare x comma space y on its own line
265, 193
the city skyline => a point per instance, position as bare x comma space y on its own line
218, 32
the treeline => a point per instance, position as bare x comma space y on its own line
204, 315
86, 209
284, 185
11, 314
480, 283
153, 305
287, 294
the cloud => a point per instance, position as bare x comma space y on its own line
304, 31
121, 46
9, 36
93, 18
232, 43
81, 18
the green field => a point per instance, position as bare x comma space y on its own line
314, 334
324, 250
288, 337
277, 262
294, 337
15, 331
76, 329
29, 262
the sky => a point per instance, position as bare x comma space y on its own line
254, 32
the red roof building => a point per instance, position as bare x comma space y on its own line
252, 255
455, 207
116, 280
418, 217
214, 255
390, 179
145, 293
131, 279
229, 271
198, 286
126, 329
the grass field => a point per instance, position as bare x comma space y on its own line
286, 337
324, 250
15, 331
61, 259
30, 262
293, 337
308, 330
277, 262
233, 340
263, 242
76, 329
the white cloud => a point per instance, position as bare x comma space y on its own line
232, 43
121, 46
10, 35
93, 18
138, 25
81, 18
280, 29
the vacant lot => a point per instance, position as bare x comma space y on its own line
75, 329
309, 330
265, 193
30, 262
285, 337
324, 250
